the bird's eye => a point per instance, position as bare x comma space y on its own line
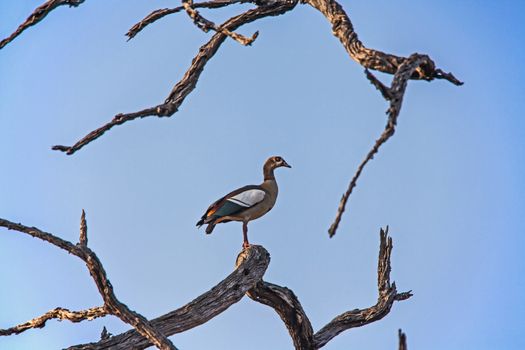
278, 159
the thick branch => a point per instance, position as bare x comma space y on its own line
394, 94
58, 313
343, 29
387, 295
111, 304
38, 14
286, 304
188, 83
252, 264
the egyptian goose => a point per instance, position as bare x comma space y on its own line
246, 203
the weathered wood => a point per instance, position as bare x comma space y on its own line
111, 304
57, 313
387, 295
288, 307
252, 264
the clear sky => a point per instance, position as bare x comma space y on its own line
450, 183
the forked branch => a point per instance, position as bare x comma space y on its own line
288, 307
111, 304
188, 83
245, 279
158, 14
402, 340
415, 65
387, 296
251, 265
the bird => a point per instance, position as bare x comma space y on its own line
246, 203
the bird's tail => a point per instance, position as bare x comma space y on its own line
200, 222
210, 228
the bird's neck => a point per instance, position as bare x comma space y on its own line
268, 173
270, 186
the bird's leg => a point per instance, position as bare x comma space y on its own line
245, 244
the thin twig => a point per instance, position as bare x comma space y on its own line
160, 13
402, 340
206, 25
39, 14
58, 313
394, 94
83, 240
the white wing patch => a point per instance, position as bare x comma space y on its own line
248, 198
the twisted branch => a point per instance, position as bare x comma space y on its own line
288, 307
188, 83
415, 65
251, 265
111, 304
387, 296
39, 14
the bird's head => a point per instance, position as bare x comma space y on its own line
276, 162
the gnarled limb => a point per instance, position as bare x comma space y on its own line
38, 14
288, 307
188, 83
251, 265
387, 295
416, 65
111, 304
343, 29
286, 304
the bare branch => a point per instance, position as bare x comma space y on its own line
286, 304
105, 334
111, 304
251, 265
207, 25
83, 230
45, 236
384, 90
343, 29
38, 14
158, 14
402, 340
387, 295
406, 70
188, 83
58, 313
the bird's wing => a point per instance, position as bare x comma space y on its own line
234, 203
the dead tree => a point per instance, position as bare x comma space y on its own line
246, 279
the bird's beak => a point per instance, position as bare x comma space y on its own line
286, 164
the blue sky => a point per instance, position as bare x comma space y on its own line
449, 183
